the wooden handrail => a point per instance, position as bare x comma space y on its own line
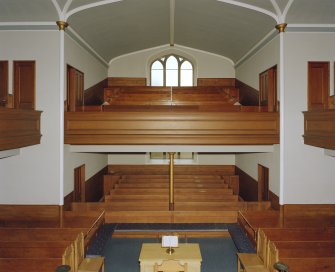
94, 224
171, 191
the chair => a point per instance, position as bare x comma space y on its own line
83, 264
251, 259
170, 266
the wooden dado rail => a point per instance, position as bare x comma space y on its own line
224, 128
19, 128
320, 128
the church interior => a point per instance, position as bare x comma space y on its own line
167, 135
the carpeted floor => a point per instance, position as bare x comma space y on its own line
121, 254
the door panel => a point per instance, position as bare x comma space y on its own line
318, 85
24, 84
3, 83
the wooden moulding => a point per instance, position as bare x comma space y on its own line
320, 128
19, 128
205, 128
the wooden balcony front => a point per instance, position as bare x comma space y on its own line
19, 128
169, 127
320, 128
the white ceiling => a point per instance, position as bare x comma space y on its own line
115, 27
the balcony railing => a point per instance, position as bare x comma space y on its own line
172, 128
19, 128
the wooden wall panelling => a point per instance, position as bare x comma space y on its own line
331, 102
95, 94
171, 128
248, 186
94, 186
248, 95
222, 170
24, 84
318, 85
249, 189
127, 81
19, 128
3, 83
227, 82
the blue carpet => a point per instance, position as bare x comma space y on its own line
218, 254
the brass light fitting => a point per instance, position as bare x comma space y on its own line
62, 25
281, 27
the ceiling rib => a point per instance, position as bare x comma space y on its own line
172, 18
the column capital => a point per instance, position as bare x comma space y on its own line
281, 27
62, 25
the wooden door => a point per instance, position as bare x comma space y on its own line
75, 88
24, 84
268, 89
79, 184
318, 85
3, 83
263, 183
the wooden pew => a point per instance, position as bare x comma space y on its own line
299, 234
306, 256
39, 234
30, 264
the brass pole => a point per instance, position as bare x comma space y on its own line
171, 195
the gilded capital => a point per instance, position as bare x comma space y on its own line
281, 27
62, 25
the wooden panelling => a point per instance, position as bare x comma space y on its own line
200, 96
211, 128
248, 186
94, 186
95, 94
331, 102
19, 128
224, 170
248, 95
226, 82
68, 199
320, 128
318, 85
93, 189
249, 189
127, 81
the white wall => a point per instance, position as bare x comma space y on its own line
76, 56
33, 176
94, 71
308, 172
248, 72
137, 64
249, 164
267, 57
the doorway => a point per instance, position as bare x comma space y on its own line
263, 183
79, 184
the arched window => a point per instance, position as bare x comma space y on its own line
171, 70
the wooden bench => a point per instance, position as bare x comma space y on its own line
306, 256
